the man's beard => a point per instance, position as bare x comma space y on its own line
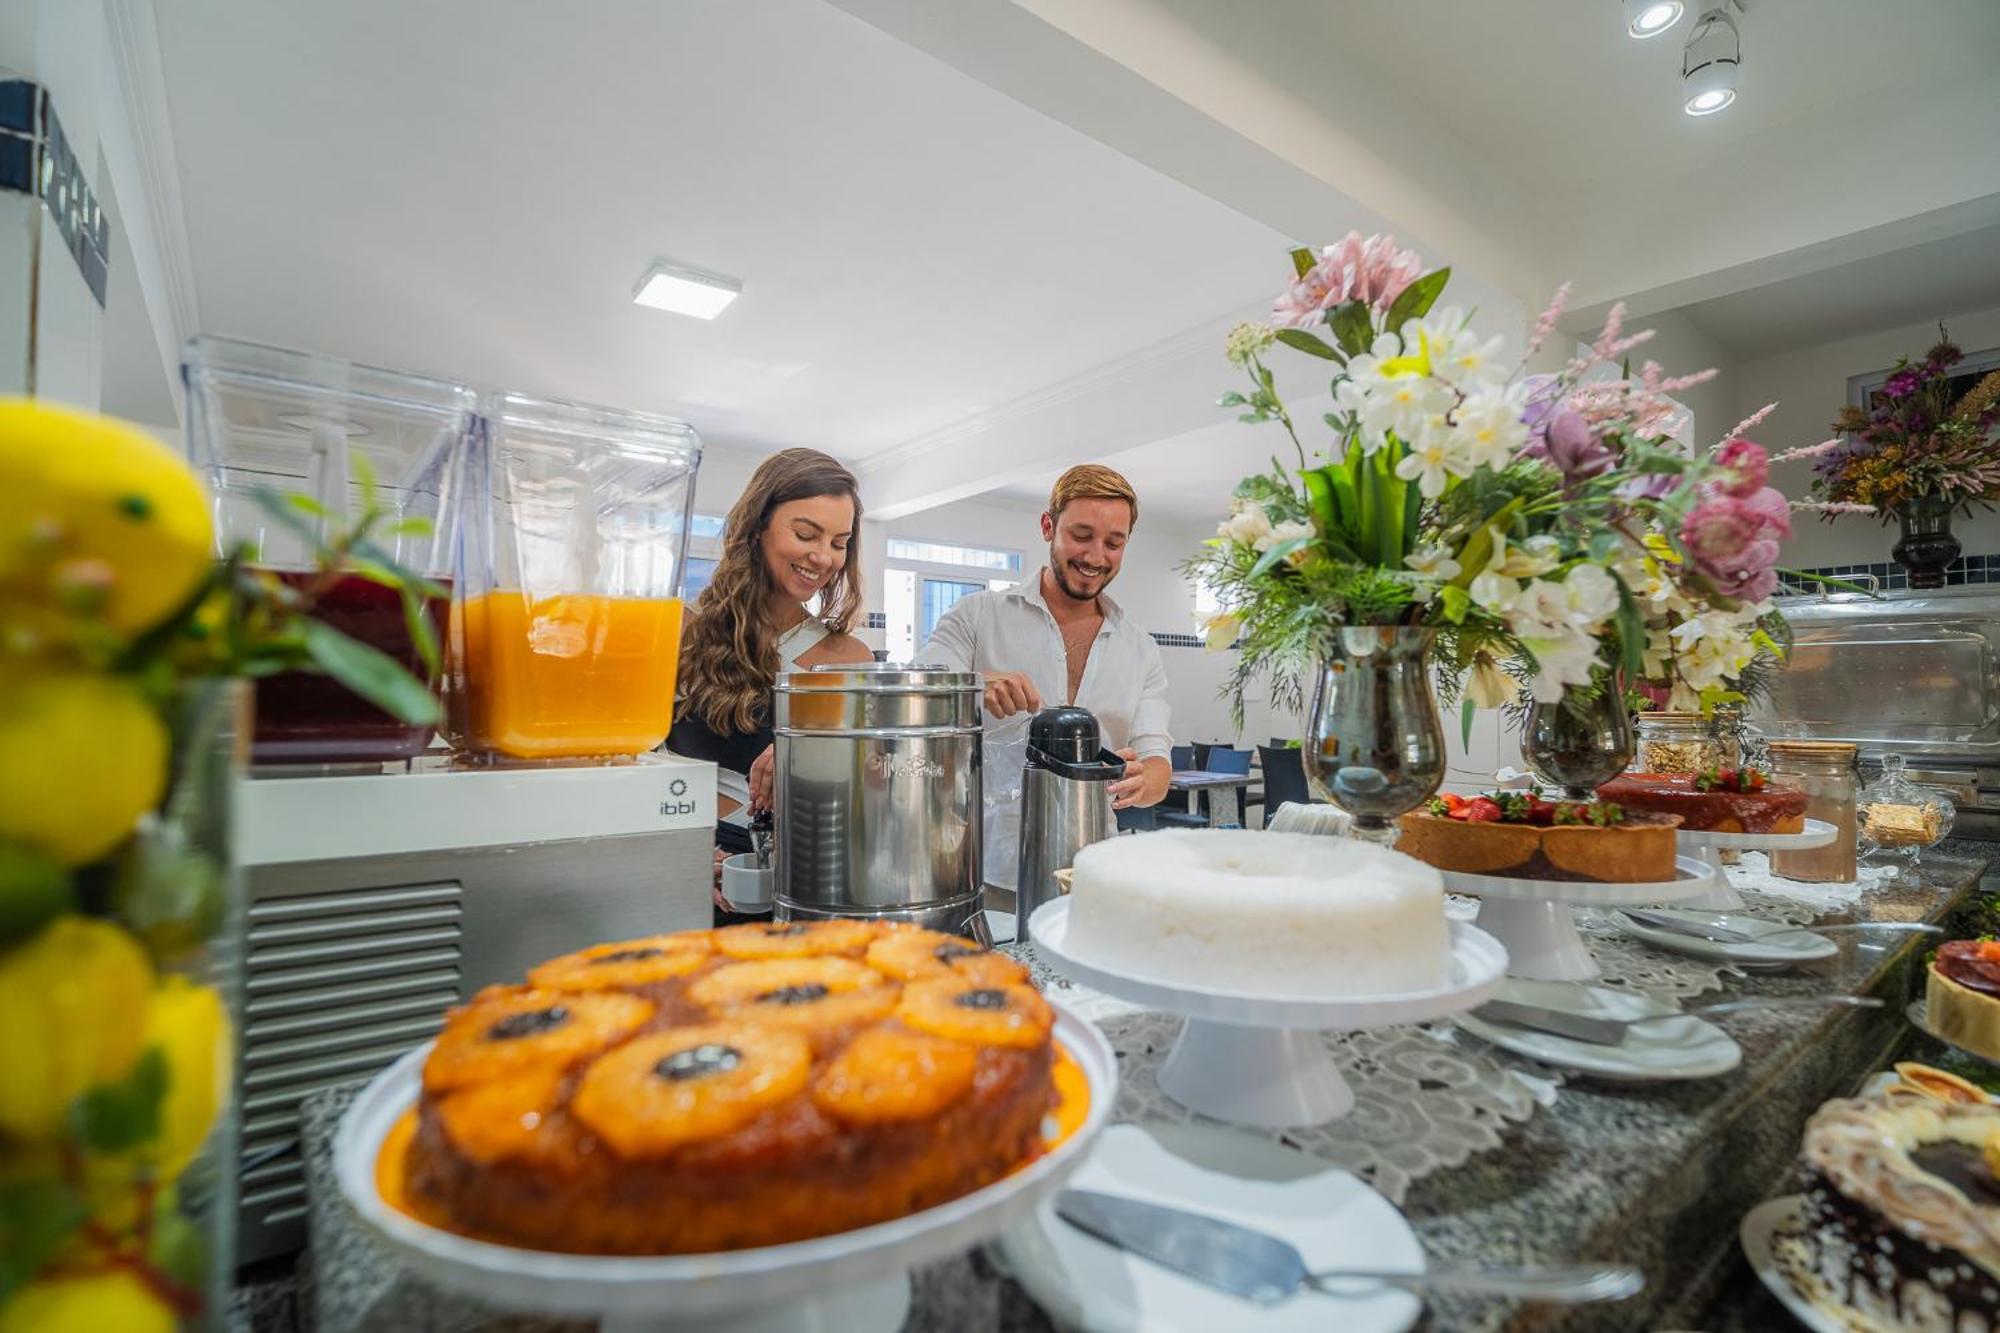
1059, 570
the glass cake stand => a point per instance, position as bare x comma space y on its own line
854, 1280
1253, 1058
1707, 846
1533, 918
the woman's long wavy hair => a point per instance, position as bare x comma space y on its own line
729, 656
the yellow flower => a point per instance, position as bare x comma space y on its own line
1489, 686
82, 756
187, 1023
1220, 630
75, 998
90, 1303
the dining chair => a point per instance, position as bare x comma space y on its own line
1284, 778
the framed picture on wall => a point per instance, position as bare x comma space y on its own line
1861, 389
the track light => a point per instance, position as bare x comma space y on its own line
1710, 62
1650, 18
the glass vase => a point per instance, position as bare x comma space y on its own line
1578, 743
1926, 546
1374, 743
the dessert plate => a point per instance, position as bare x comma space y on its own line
1258, 1059
1708, 846
854, 1280
1775, 944
1757, 1232
1532, 917
1918, 1012
1329, 1214
1686, 1048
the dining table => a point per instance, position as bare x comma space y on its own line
1225, 793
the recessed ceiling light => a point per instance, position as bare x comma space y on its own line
685, 291
1710, 62
1650, 18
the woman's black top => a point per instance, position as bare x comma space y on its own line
693, 738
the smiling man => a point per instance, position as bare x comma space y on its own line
1055, 638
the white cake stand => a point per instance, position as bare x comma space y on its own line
855, 1280
1533, 917
1258, 1059
1723, 897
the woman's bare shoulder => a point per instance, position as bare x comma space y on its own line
836, 648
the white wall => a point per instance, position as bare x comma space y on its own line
1810, 386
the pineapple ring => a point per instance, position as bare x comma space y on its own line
492, 1121
910, 953
1006, 1015
796, 939
685, 1085
624, 964
803, 994
510, 1031
890, 1074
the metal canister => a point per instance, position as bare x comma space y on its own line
878, 795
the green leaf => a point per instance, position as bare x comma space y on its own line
37, 1216
373, 571
1352, 329
1303, 261
1454, 601
117, 1117
1417, 299
1231, 399
423, 633
373, 675
1277, 553
1631, 627
414, 526
279, 508
1319, 496
1308, 343
306, 504
1465, 712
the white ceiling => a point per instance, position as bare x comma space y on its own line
471, 187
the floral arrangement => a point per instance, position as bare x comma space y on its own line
116, 622
1548, 527
1915, 442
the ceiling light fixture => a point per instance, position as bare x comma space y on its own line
1650, 18
1710, 62
685, 291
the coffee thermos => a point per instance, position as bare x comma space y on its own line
1065, 802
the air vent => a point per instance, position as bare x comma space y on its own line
336, 987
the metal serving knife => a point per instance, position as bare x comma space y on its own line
1261, 1267
1601, 1031
1716, 932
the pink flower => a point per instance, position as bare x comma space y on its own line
1747, 465
1373, 271
1733, 542
1770, 508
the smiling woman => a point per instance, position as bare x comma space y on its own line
788, 542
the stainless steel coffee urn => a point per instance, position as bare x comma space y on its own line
1065, 802
878, 795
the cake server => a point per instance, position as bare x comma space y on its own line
1261, 1267
1602, 1031
1717, 931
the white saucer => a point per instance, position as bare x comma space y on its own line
1756, 1232
1333, 1218
1685, 1048
1789, 944
855, 1281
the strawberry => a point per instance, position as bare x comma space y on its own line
1480, 810
1540, 811
1453, 802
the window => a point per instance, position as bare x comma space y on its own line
706, 525
939, 596
699, 571
704, 552
943, 553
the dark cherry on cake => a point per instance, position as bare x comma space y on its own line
1522, 835
1716, 800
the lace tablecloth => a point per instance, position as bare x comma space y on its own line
1427, 1096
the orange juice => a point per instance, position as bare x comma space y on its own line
567, 674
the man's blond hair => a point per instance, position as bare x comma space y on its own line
1092, 481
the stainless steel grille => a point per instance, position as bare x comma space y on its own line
336, 986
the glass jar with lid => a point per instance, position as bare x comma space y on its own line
1900, 817
1671, 742
1826, 771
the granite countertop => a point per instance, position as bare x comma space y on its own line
1653, 1174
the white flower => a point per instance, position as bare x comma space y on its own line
1561, 660
1391, 390
1247, 523
1488, 686
1456, 353
1433, 562
1284, 532
1489, 424
1713, 648
1495, 592
1535, 556
1430, 460
1589, 597
1220, 630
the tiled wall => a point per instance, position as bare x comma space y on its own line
1890, 576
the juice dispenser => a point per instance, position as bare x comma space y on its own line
566, 621
287, 442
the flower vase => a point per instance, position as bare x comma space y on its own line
1374, 744
1926, 546
1577, 744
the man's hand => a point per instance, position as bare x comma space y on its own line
1145, 781
1011, 692
763, 779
